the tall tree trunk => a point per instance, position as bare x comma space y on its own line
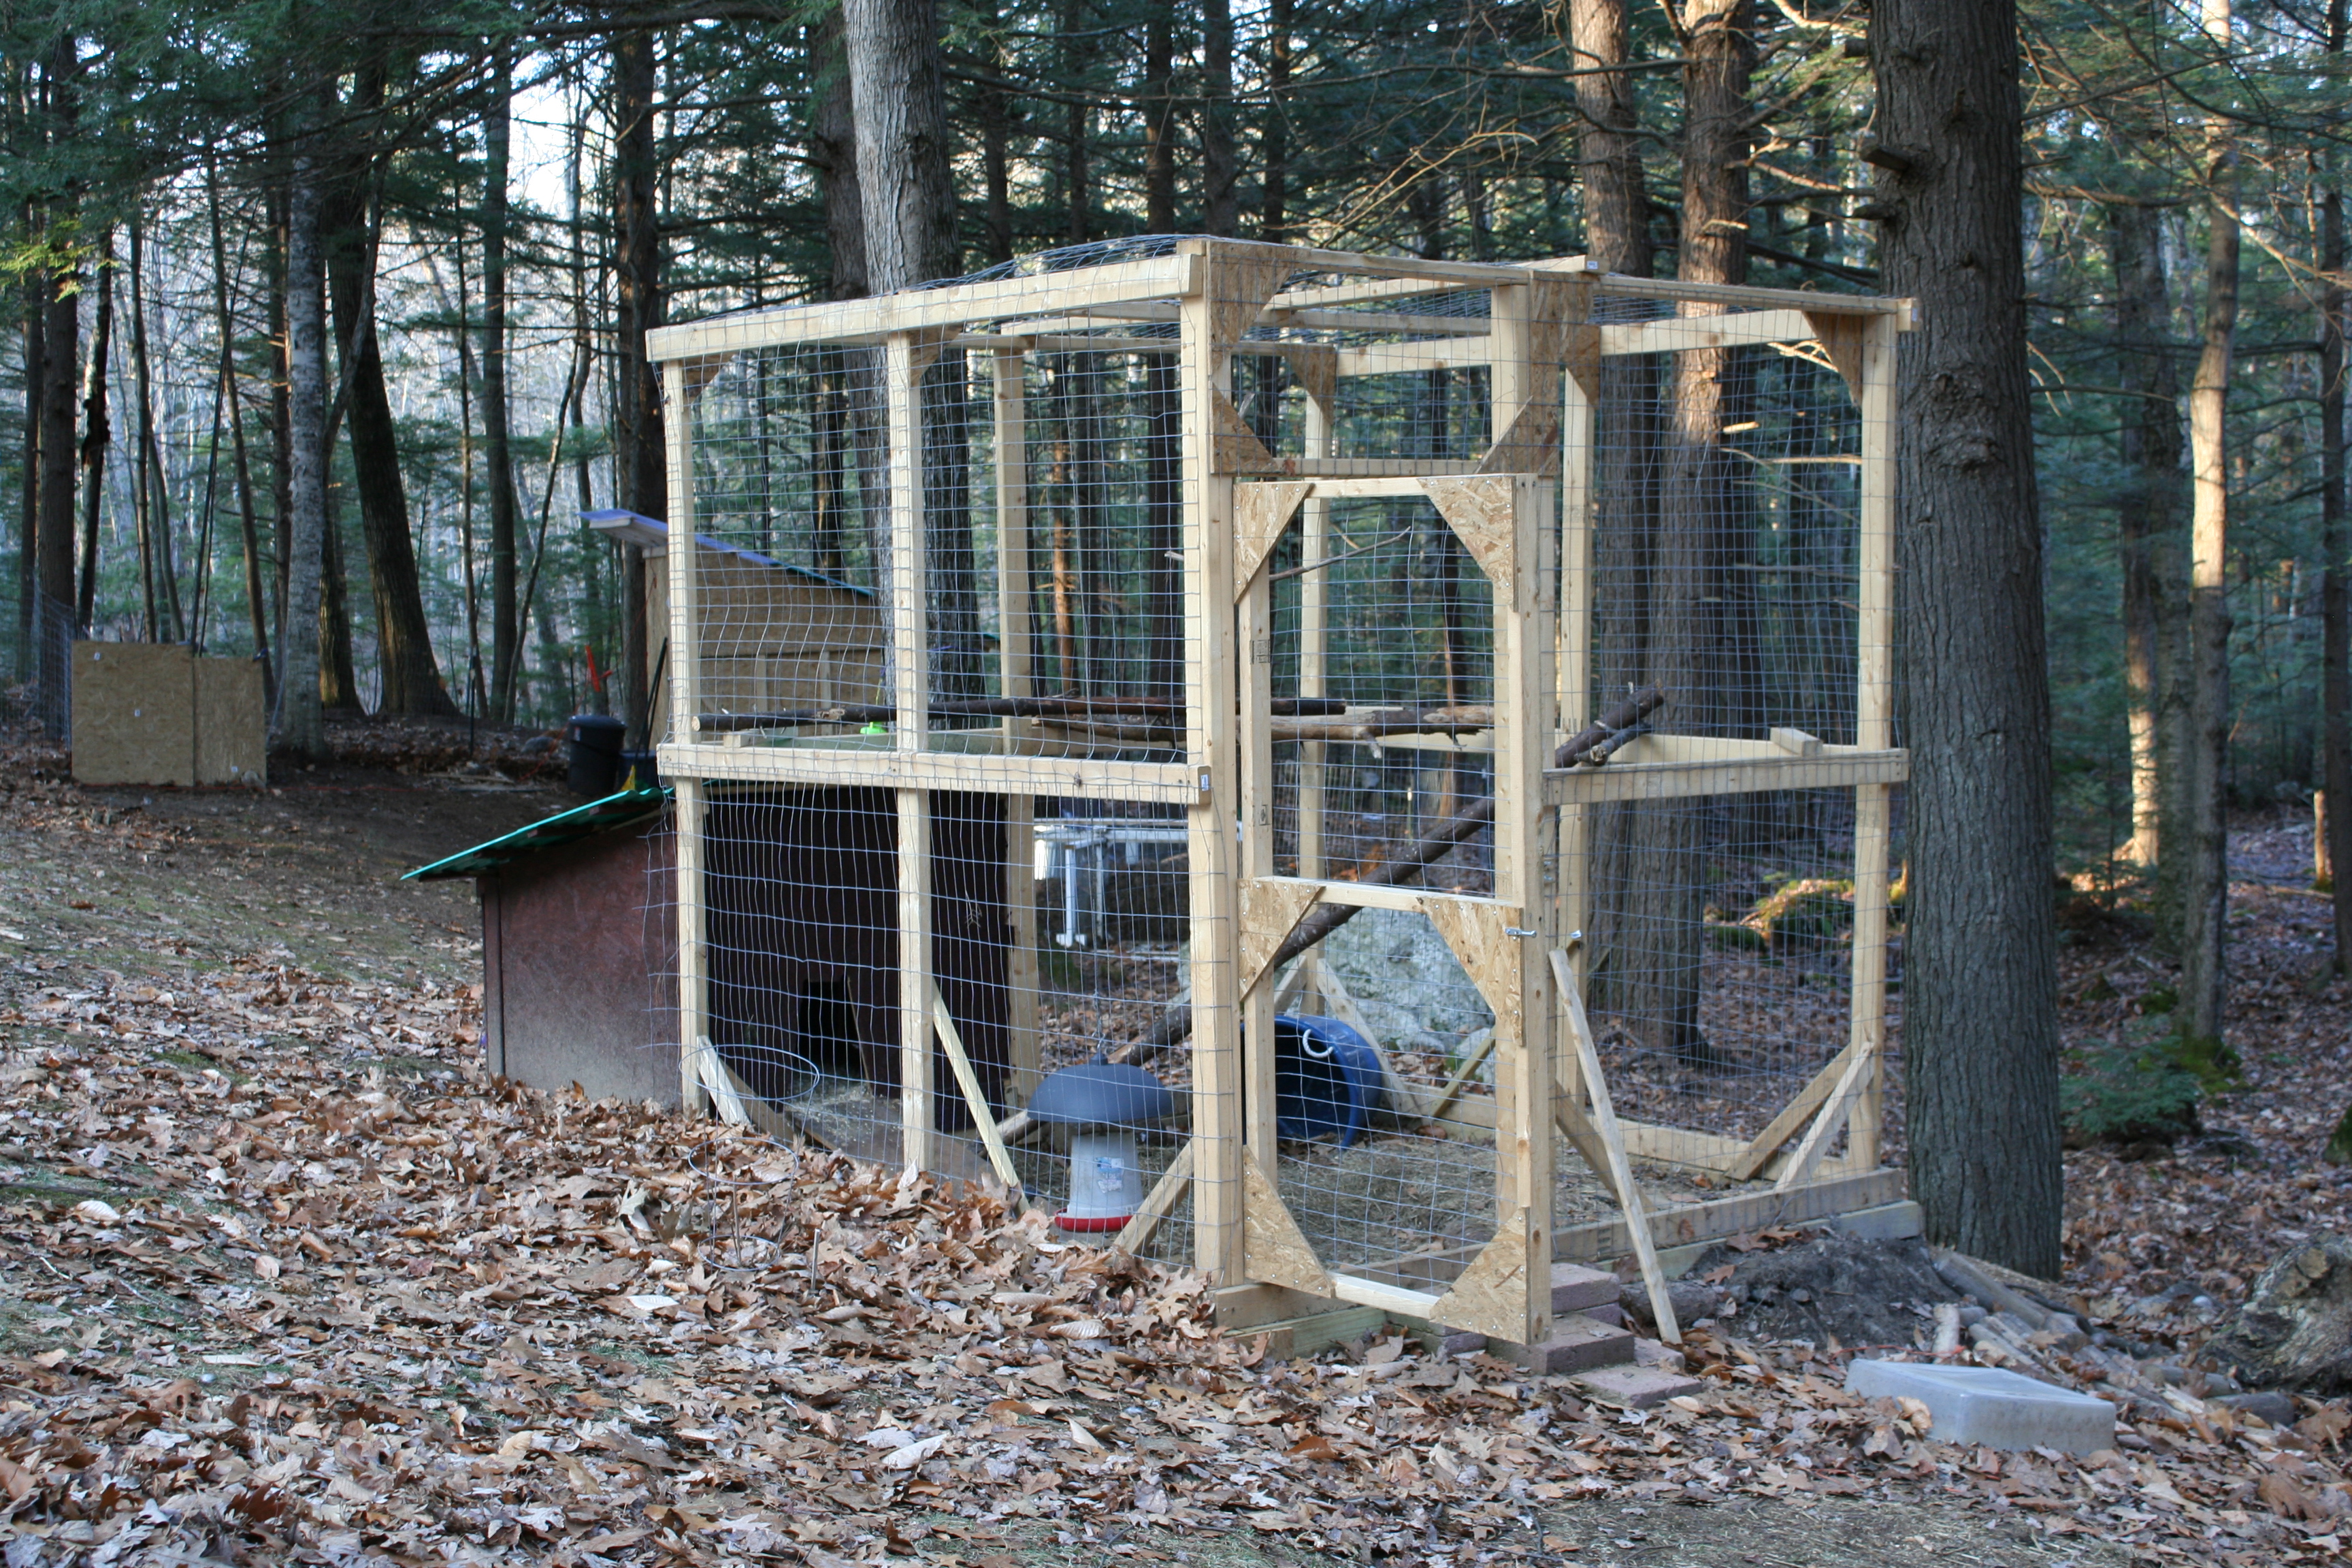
1693, 635
301, 723
903, 141
506, 627
2149, 519
1220, 163
165, 619
96, 431
36, 323
1274, 203
408, 679
832, 149
1981, 946
2334, 594
1077, 124
993, 107
1160, 121
1617, 239
281, 422
641, 467
2205, 883
339, 682
61, 338
257, 596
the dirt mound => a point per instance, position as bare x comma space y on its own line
1862, 1292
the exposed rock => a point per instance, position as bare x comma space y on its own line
1411, 987
2295, 1330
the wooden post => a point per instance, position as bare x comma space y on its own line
1209, 744
1012, 410
1874, 728
1573, 669
1313, 610
904, 360
1256, 750
685, 674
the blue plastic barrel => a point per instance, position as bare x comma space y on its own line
1326, 1078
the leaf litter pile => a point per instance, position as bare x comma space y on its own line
287, 1278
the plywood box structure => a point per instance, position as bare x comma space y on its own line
153, 713
773, 635
1513, 644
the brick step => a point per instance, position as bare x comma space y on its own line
1578, 1344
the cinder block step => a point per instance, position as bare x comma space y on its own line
1634, 1388
1985, 1405
1577, 1344
1576, 1289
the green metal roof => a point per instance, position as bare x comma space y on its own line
622, 810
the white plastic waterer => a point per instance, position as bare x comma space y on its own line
1102, 1104
1105, 1185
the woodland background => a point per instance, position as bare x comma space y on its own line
478, 203
344, 307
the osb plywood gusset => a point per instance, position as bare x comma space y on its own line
1317, 372
1563, 334
1841, 337
1477, 932
1270, 912
1273, 1250
1531, 445
1261, 512
1480, 509
1238, 290
1238, 449
1490, 1297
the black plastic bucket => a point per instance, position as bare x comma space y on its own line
642, 764
592, 763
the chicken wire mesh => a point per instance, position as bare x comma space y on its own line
1012, 564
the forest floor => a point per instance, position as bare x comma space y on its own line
283, 1278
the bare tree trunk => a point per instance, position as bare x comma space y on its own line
1274, 209
60, 337
339, 684
506, 627
165, 619
2205, 891
993, 108
1220, 165
2336, 601
1077, 119
1617, 238
257, 596
642, 462
832, 148
410, 680
903, 141
1691, 637
302, 724
1980, 949
28, 524
96, 431
2148, 519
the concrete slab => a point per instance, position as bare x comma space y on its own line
1577, 1343
1634, 1388
1576, 1289
1989, 1405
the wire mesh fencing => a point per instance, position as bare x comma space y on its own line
1147, 720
